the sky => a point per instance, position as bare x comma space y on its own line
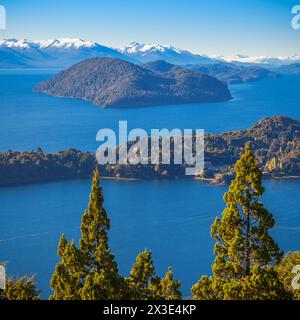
214, 27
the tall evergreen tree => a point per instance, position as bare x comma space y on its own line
245, 251
90, 271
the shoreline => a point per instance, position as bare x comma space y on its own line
210, 181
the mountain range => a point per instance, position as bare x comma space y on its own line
62, 53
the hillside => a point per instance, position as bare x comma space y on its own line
111, 82
233, 73
293, 68
275, 142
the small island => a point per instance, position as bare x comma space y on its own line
112, 82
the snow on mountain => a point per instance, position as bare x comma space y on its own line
135, 47
17, 44
66, 43
56, 53
63, 52
262, 60
151, 52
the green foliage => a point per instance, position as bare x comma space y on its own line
20, 289
90, 271
144, 285
169, 288
245, 252
67, 278
142, 276
286, 274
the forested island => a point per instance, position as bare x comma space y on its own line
111, 82
275, 142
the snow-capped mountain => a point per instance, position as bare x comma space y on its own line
261, 60
151, 52
58, 53
62, 53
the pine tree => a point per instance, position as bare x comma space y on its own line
141, 276
144, 285
20, 289
69, 272
169, 288
103, 281
245, 251
90, 271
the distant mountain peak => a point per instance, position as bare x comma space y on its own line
60, 43
68, 43
18, 44
135, 47
51, 53
32, 52
147, 52
271, 60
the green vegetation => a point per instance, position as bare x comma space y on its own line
110, 82
20, 289
245, 252
248, 263
90, 272
287, 271
274, 141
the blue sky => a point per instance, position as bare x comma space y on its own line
256, 27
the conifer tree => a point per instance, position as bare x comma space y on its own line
245, 251
20, 289
169, 288
69, 272
141, 276
144, 285
90, 271
103, 281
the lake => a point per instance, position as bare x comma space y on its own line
172, 218
30, 120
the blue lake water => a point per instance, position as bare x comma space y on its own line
172, 218
29, 120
